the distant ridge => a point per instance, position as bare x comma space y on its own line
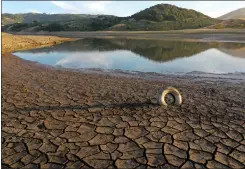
156, 18
236, 14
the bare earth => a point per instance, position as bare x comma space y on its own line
56, 118
214, 35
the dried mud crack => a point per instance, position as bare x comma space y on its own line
63, 119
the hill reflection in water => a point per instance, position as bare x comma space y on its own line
143, 55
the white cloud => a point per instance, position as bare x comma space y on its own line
34, 11
68, 7
97, 6
86, 60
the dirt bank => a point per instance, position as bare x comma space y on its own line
214, 35
17, 42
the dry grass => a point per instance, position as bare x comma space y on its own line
12, 43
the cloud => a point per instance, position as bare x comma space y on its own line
86, 60
68, 7
95, 7
34, 11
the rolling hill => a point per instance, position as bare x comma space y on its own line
31, 17
237, 14
165, 17
158, 17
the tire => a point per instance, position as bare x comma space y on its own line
177, 98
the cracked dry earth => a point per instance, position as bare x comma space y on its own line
64, 119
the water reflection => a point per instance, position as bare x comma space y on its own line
143, 55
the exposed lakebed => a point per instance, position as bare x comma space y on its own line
143, 55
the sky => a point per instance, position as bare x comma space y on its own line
119, 8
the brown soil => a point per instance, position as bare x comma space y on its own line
18, 42
59, 118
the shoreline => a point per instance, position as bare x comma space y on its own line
205, 35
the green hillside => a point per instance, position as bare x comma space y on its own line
158, 17
31, 17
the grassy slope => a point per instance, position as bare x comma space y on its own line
237, 14
27, 42
159, 17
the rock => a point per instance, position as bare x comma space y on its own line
135, 132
